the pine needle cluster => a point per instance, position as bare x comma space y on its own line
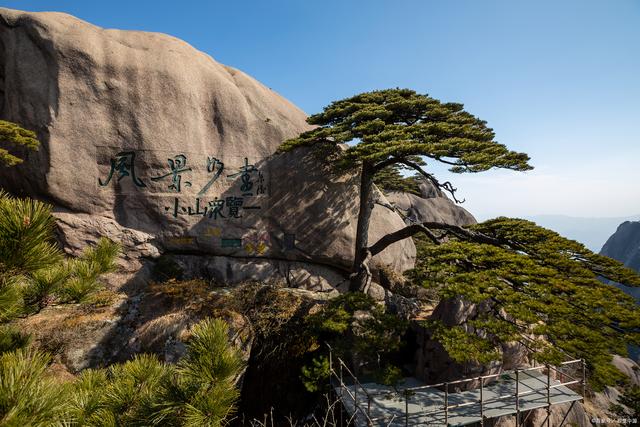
396, 124
34, 271
199, 391
535, 287
14, 135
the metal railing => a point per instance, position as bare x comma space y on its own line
445, 409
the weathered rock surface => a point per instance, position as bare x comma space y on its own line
155, 144
624, 246
433, 363
72, 334
432, 205
221, 269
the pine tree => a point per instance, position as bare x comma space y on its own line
33, 268
391, 179
27, 396
199, 391
13, 134
358, 329
393, 127
536, 287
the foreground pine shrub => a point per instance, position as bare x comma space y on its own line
27, 396
199, 391
33, 270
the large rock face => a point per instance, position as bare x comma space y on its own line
433, 363
154, 143
432, 205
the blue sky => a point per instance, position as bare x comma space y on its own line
559, 80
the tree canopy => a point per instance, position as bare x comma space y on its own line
13, 134
399, 127
390, 126
536, 287
391, 179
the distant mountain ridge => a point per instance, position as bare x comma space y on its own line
624, 245
592, 232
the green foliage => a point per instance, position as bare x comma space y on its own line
11, 301
315, 374
357, 329
129, 393
389, 375
400, 123
199, 391
34, 271
13, 134
461, 345
388, 129
12, 339
103, 255
391, 179
629, 404
27, 396
536, 287
84, 273
43, 284
210, 359
26, 235
86, 403
32, 263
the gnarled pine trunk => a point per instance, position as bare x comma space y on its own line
360, 273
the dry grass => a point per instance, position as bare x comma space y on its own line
330, 415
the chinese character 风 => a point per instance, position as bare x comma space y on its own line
123, 164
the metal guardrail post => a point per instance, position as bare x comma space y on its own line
355, 398
341, 393
584, 379
548, 395
406, 408
330, 367
446, 404
517, 400
481, 402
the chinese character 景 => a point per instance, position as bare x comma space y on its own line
177, 166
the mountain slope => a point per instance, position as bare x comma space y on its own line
624, 245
